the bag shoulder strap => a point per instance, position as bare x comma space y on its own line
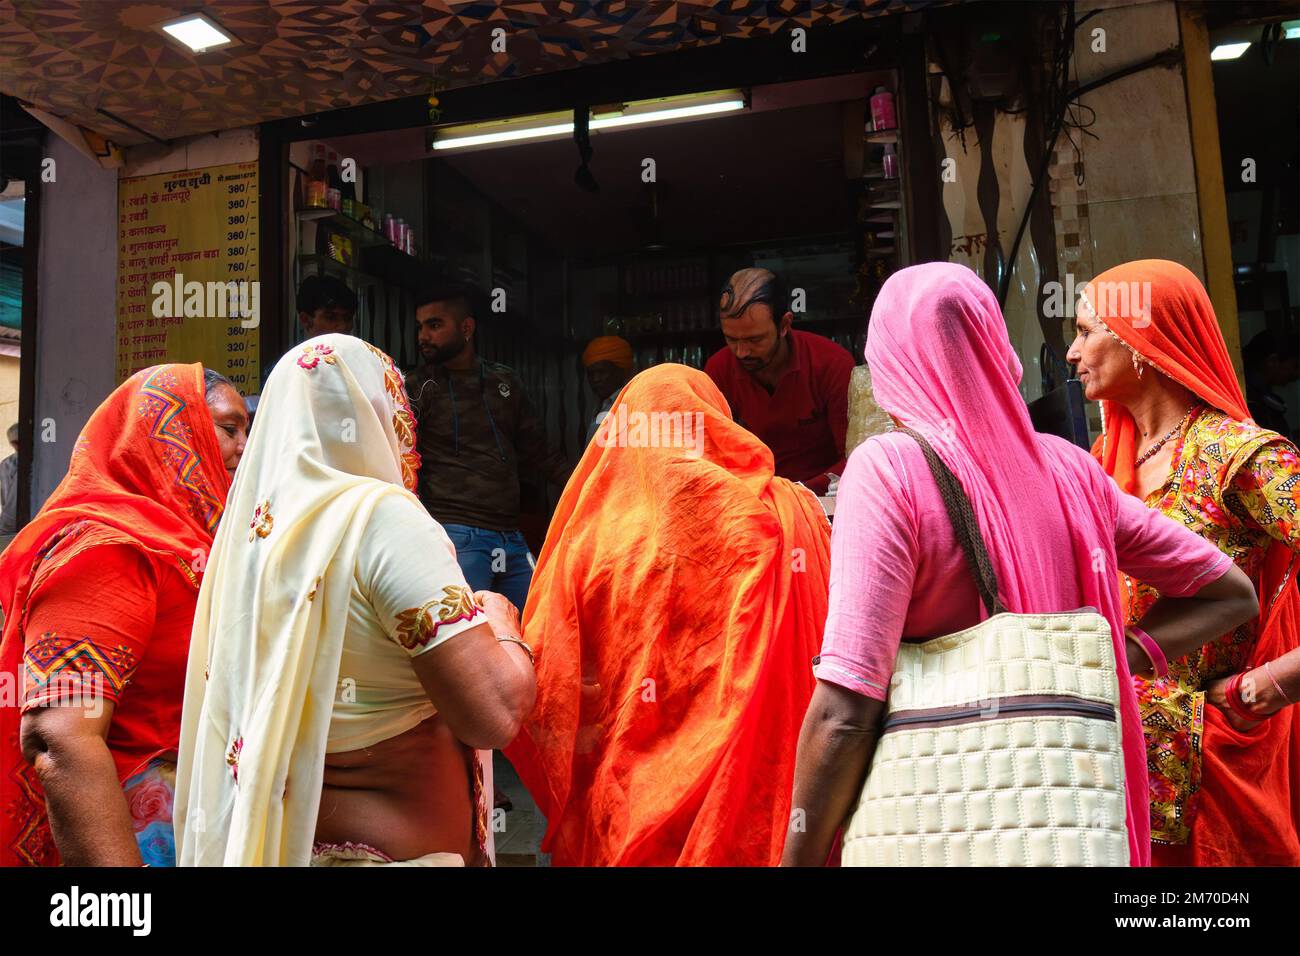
964, 525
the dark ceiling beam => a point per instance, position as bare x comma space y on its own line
843, 48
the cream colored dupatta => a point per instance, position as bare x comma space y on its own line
333, 436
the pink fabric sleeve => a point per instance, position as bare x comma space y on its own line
873, 568
1161, 552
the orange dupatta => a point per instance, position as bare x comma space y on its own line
1250, 793
675, 610
147, 472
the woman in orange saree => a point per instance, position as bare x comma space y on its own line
98, 593
1223, 744
678, 600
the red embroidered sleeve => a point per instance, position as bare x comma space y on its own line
88, 628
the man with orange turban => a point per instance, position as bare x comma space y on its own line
608, 361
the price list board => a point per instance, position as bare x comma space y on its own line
188, 285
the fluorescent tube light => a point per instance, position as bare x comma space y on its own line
667, 115
1229, 51
198, 33
503, 136
560, 125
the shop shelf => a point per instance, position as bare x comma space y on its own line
328, 263
387, 263
332, 217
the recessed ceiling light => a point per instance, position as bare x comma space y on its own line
1228, 51
198, 33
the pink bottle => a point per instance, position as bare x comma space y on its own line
882, 110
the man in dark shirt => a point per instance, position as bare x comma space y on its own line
789, 388
477, 433
325, 304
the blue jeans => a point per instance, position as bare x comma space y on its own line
493, 560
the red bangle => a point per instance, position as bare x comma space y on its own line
1159, 663
1232, 694
1276, 686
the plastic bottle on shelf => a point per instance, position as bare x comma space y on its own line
334, 183
349, 189
332, 172
890, 162
316, 182
882, 110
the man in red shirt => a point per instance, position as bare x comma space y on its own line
789, 388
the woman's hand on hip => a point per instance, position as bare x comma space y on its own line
1216, 695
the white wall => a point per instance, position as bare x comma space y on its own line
77, 317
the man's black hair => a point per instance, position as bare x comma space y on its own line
460, 293
325, 292
771, 292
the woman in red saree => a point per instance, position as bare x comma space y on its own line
1223, 745
98, 593
675, 608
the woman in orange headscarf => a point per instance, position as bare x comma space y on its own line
1225, 778
677, 603
98, 593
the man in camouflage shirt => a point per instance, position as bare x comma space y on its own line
477, 433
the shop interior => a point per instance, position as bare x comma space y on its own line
1258, 107
802, 177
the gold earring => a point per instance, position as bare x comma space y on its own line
1138, 365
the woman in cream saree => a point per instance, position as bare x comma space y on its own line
341, 673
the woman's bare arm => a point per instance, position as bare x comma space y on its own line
1181, 625
836, 744
1267, 689
88, 814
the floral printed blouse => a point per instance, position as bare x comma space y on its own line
1236, 485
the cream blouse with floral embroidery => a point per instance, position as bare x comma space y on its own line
408, 596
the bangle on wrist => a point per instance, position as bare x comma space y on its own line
1276, 686
527, 650
1232, 694
1159, 663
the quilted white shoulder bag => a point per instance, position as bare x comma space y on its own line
1001, 743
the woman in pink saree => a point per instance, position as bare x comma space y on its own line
1055, 527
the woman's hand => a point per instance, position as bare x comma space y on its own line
1139, 665
1216, 694
501, 614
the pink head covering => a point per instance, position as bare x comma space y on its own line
941, 363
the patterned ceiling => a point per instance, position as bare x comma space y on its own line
74, 58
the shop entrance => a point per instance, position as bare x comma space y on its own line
1258, 105
636, 242
634, 238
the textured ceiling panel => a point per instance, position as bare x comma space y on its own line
76, 57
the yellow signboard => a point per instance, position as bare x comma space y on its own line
188, 271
